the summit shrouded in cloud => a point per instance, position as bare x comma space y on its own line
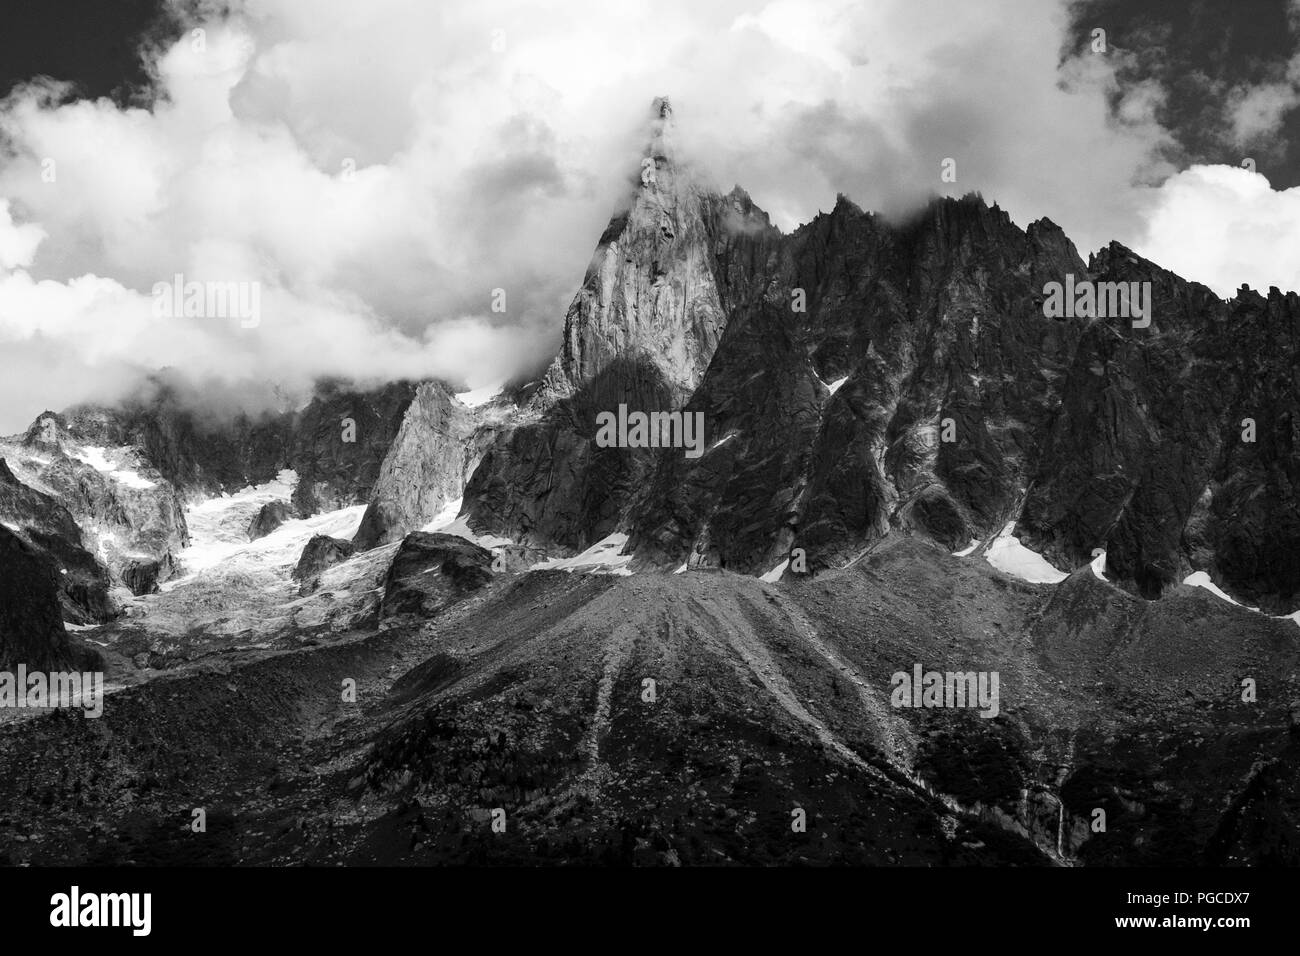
414, 186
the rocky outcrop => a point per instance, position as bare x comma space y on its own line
1244, 525
547, 484
269, 517
430, 571
84, 583
144, 575
426, 467
341, 440
929, 323
125, 512
200, 454
321, 552
31, 620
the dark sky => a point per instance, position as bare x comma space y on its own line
92, 43
1199, 51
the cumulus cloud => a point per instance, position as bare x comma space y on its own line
381, 168
1225, 227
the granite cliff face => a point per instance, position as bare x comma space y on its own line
650, 294
642, 330
340, 441
426, 467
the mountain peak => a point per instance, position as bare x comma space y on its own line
661, 130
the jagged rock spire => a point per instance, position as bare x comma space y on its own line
649, 292
662, 130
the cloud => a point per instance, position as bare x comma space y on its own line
17, 243
1255, 113
381, 168
1224, 227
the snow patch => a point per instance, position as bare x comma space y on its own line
835, 385
95, 456
603, 557
481, 396
1200, 579
1007, 554
446, 522
444, 517
132, 479
1099, 565
968, 550
682, 570
775, 574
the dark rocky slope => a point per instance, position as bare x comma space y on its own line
529, 694
83, 583
430, 572
31, 621
931, 321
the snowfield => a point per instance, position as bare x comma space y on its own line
1007, 554
219, 532
481, 396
